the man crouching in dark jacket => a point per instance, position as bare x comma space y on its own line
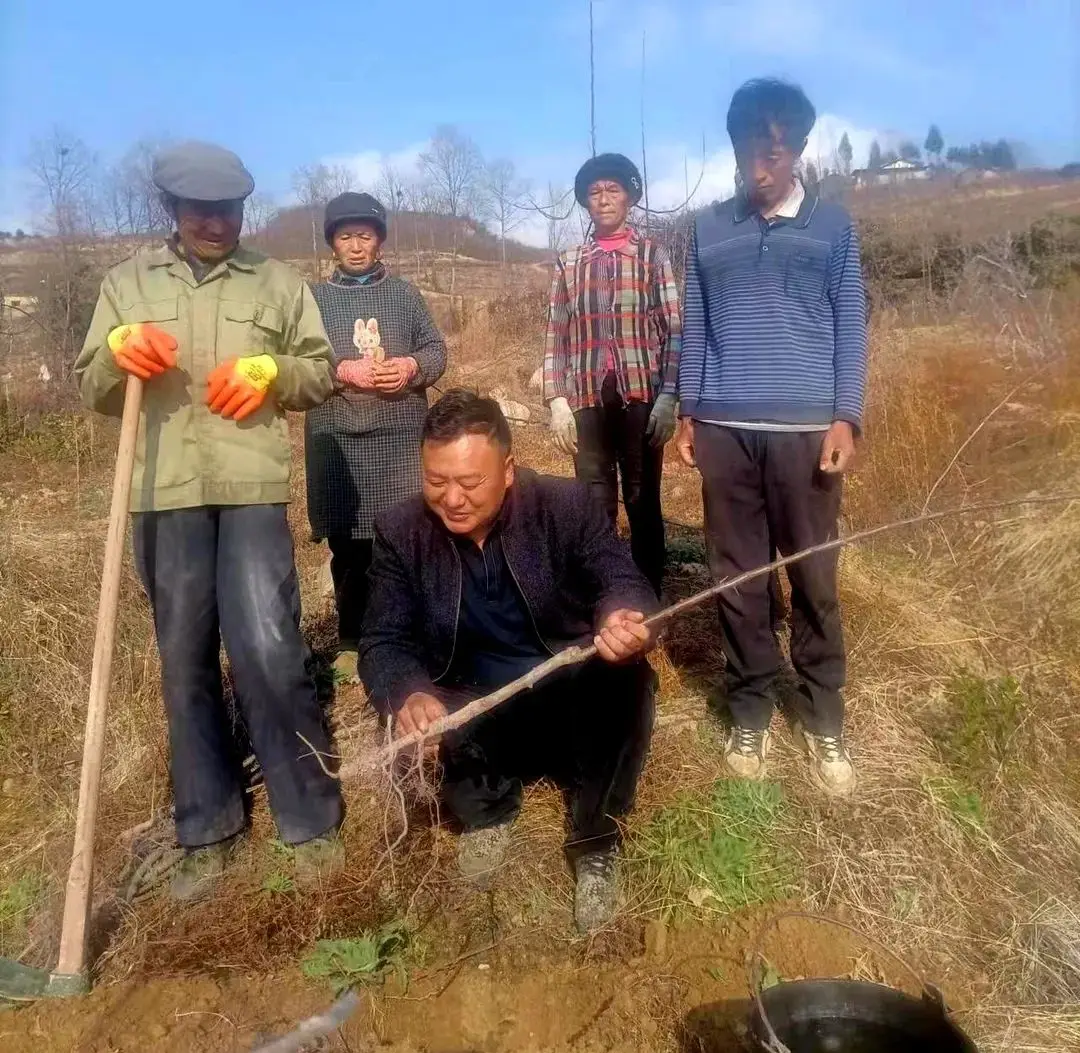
488, 574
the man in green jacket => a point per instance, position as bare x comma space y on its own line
226, 340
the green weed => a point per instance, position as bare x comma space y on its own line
718, 852
770, 975
363, 959
17, 902
962, 802
983, 719
685, 550
278, 884
906, 901
49, 437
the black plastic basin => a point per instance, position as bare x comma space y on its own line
845, 1016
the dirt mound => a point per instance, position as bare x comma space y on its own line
679, 988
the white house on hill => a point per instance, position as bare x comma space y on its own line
891, 174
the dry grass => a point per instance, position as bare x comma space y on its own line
961, 849
974, 212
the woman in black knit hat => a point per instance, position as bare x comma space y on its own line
362, 446
612, 356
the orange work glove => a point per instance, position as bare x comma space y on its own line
142, 349
236, 389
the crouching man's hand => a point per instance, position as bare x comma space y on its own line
624, 635
418, 713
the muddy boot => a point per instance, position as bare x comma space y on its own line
199, 871
346, 669
317, 860
480, 853
596, 894
830, 763
746, 752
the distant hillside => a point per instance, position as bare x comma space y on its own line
979, 209
289, 237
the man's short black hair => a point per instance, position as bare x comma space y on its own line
463, 412
759, 105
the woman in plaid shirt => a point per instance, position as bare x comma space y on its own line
612, 357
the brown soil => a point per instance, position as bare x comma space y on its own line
664, 988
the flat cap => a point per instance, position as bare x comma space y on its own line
198, 171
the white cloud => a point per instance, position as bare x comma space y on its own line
829, 130
671, 180
367, 165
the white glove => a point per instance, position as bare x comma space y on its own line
563, 426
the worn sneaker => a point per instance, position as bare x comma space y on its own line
346, 666
831, 767
746, 752
480, 853
318, 859
199, 871
596, 893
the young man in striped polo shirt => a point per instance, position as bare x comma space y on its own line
771, 386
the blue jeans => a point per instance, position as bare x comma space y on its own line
226, 575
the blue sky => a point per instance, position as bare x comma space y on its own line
286, 84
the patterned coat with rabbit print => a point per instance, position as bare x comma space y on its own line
363, 450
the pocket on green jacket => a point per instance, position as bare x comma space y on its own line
163, 315
249, 329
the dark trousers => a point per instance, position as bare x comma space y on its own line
588, 728
227, 575
611, 442
349, 562
764, 489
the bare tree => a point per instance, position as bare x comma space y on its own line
559, 224
454, 166
429, 202
259, 212
391, 190
62, 169
131, 203
314, 186
934, 144
504, 192
845, 154
410, 201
